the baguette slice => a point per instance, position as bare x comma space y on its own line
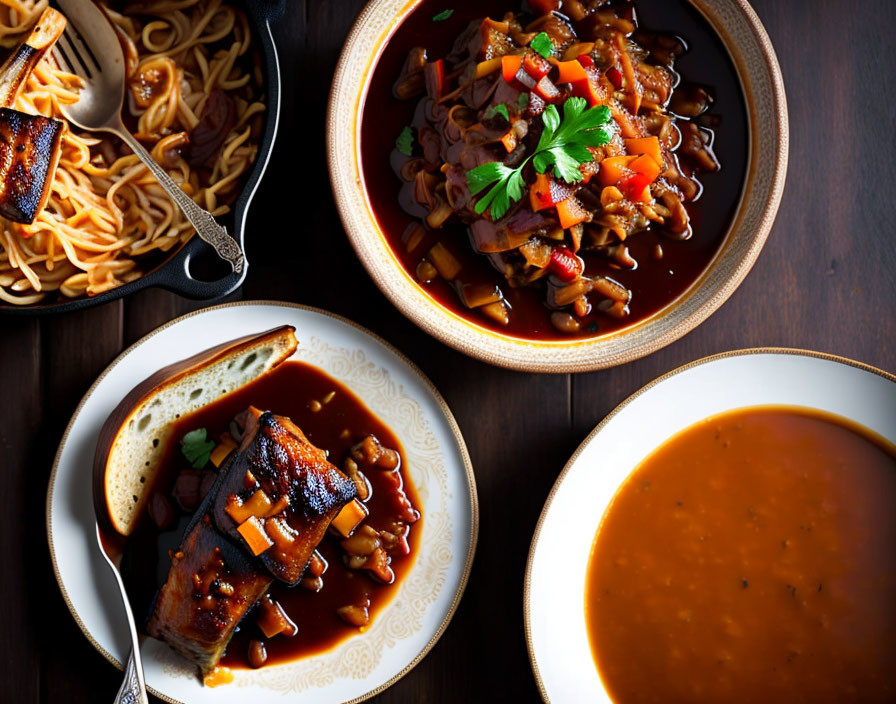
134, 439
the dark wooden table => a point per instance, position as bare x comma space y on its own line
826, 280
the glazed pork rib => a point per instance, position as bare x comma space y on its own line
282, 496
262, 519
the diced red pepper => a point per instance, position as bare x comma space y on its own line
509, 66
585, 60
546, 90
434, 76
636, 187
571, 72
614, 75
565, 265
536, 66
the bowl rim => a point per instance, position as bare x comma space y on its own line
567, 468
380, 19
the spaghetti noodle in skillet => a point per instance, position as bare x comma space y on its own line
194, 98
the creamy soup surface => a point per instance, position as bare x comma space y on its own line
751, 558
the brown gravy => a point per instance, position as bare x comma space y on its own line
289, 390
751, 558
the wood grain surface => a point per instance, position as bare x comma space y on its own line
825, 281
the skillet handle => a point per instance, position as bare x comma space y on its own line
269, 10
176, 277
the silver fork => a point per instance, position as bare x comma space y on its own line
133, 686
89, 48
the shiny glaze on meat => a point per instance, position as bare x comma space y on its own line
213, 580
285, 463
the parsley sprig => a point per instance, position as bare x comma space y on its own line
197, 448
563, 146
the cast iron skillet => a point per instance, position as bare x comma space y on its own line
174, 273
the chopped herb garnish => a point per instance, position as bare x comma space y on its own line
542, 44
442, 16
405, 141
523, 101
563, 145
498, 110
196, 447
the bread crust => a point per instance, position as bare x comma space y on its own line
135, 401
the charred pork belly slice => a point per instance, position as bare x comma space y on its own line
29, 152
280, 495
274, 500
30, 145
211, 585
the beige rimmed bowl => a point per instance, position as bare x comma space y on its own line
745, 39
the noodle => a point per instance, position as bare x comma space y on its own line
105, 210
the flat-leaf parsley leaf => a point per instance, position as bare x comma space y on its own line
542, 43
442, 16
196, 447
563, 145
405, 141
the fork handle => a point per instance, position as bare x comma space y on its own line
131, 691
206, 226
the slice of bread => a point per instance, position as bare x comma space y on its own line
134, 439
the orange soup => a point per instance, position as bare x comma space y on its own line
751, 558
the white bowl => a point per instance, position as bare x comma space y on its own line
559, 649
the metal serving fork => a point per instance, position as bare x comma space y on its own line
133, 687
89, 48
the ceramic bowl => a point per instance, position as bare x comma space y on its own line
753, 57
554, 609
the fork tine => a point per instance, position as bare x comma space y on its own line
60, 59
71, 57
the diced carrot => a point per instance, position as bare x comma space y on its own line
614, 168
279, 507
222, 450
571, 72
349, 518
253, 533
509, 67
571, 212
256, 505
509, 140
540, 193
590, 89
647, 165
645, 145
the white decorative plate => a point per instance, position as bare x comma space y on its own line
554, 602
394, 389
